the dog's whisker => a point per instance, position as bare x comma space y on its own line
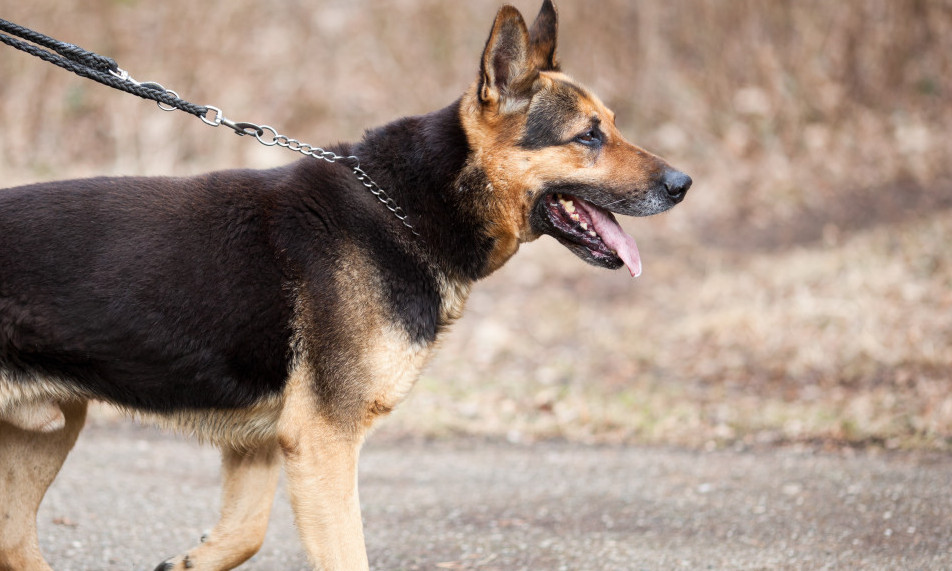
614, 202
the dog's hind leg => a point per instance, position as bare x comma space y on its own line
29, 461
42, 416
249, 480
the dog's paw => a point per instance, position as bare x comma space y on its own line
176, 564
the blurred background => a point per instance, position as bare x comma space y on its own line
801, 294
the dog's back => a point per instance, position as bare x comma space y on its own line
156, 293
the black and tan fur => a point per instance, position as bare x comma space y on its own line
278, 314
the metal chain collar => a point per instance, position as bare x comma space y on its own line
269, 137
106, 71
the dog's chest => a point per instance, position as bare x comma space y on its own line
394, 361
393, 365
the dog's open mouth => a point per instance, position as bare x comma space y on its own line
581, 223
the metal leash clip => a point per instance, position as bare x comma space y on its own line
154, 86
239, 127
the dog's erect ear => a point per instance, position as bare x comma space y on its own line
507, 69
542, 38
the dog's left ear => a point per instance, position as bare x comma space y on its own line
542, 38
507, 70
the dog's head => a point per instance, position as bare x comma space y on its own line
553, 161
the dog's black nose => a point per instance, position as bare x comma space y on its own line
677, 184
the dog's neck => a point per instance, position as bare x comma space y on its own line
419, 161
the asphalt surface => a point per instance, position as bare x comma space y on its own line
128, 497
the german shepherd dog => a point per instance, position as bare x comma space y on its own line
279, 313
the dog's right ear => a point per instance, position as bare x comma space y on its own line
507, 70
542, 37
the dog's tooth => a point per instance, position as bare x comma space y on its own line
593, 234
569, 206
575, 216
584, 226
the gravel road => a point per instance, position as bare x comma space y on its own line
130, 496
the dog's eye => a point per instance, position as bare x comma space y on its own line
591, 138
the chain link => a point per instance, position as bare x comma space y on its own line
106, 71
328, 156
260, 132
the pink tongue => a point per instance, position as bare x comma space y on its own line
614, 237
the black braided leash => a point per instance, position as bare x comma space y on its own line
105, 71
90, 65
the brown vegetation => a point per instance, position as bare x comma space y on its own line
802, 292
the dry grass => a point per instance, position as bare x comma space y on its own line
802, 292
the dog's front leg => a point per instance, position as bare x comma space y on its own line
320, 459
249, 480
322, 481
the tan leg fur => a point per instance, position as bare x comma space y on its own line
31, 460
320, 459
249, 480
43, 416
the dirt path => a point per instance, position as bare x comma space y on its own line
129, 496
